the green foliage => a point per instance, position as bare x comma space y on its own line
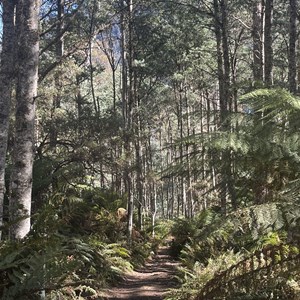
139, 252
59, 264
174, 77
216, 247
270, 129
81, 210
195, 279
245, 229
273, 103
182, 231
264, 273
264, 147
162, 229
75, 248
106, 199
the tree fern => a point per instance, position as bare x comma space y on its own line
276, 103
257, 235
263, 143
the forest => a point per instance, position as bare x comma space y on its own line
131, 125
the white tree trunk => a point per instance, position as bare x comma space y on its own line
27, 32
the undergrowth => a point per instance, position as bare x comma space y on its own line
255, 240
75, 249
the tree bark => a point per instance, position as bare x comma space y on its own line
27, 33
59, 51
139, 169
292, 47
257, 41
218, 33
227, 97
268, 51
6, 85
181, 150
221, 31
91, 67
190, 204
153, 208
127, 104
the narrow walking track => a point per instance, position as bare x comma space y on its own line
150, 282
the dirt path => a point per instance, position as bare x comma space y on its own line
148, 283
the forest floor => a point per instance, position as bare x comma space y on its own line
149, 282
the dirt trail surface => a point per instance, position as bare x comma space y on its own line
148, 283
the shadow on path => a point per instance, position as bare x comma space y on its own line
149, 282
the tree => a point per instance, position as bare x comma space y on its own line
268, 41
129, 102
59, 49
221, 32
292, 46
6, 85
27, 56
257, 40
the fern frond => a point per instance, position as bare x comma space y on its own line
273, 103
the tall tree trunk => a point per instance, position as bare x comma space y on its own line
130, 111
108, 46
268, 51
227, 97
181, 150
127, 103
27, 32
222, 99
221, 31
298, 63
79, 104
292, 47
257, 41
6, 79
139, 166
218, 33
153, 207
170, 159
59, 51
190, 204
91, 67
